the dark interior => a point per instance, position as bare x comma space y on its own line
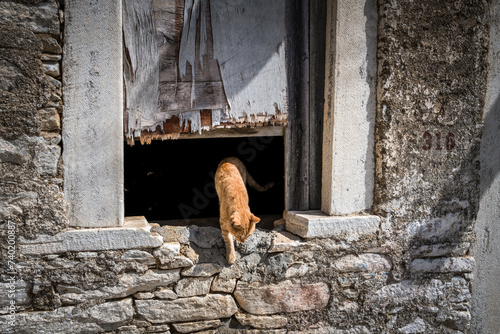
171, 182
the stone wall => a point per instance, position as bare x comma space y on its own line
30, 91
410, 275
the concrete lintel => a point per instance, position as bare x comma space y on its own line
316, 224
135, 233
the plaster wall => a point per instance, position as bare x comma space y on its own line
486, 284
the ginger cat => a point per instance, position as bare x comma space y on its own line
235, 216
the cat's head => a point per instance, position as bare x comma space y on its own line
242, 226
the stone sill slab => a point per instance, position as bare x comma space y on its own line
316, 224
135, 233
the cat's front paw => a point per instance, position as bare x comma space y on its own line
231, 258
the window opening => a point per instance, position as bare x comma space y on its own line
171, 182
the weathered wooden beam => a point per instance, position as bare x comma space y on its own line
141, 69
298, 131
317, 42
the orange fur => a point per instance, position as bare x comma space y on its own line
235, 216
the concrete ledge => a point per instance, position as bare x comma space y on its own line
132, 235
316, 224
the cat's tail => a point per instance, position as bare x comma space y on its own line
251, 182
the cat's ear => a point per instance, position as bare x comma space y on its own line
235, 222
254, 219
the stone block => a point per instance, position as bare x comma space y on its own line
51, 69
47, 158
139, 256
415, 327
128, 284
262, 299
175, 262
223, 284
21, 296
165, 293
205, 237
41, 18
316, 224
134, 234
262, 321
50, 44
367, 263
193, 286
144, 295
96, 319
189, 327
202, 270
443, 265
49, 119
210, 307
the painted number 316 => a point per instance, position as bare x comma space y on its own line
449, 141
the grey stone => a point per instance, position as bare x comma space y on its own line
223, 284
443, 265
158, 329
50, 44
193, 286
52, 69
262, 299
96, 319
139, 256
14, 151
128, 330
437, 228
441, 250
316, 224
457, 290
49, 119
205, 237
16, 203
41, 18
261, 322
286, 241
166, 293
210, 307
202, 270
174, 233
369, 263
144, 295
21, 296
86, 255
47, 159
168, 249
128, 284
189, 327
175, 262
415, 327
258, 242
300, 269
325, 329
134, 234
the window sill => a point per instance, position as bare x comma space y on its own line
134, 234
316, 224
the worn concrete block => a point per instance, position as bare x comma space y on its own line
134, 234
210, 307
316, 224
93, 113
262, 299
